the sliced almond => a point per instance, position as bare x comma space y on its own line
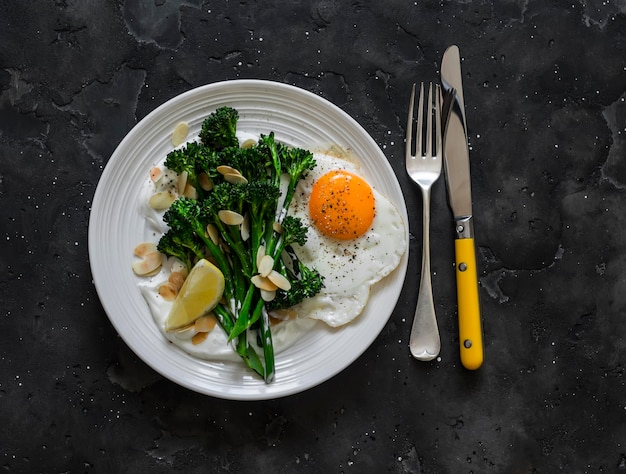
235, 178
176, 279
268, 295
260, 253
278, 227
162, 200
230, 217
144, 248
168, 291
155, 174
204, 180
180, 133
199, 338
150, 263
190, 192
266, 265
182, 182
245, 227
263, 283
225, 169
248, 143
205, 323
279, 280
213, 233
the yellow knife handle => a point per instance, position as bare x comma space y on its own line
470, 328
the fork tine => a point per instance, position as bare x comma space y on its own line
438, 141
420, 121
409, 125
429, 122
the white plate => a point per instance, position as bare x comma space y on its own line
298, 118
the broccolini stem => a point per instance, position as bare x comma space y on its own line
243, 321
249, 355
268, 345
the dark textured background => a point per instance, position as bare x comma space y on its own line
545, 88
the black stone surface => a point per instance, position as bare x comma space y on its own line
545, 88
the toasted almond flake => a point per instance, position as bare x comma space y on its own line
260, 253
199, 338
213, 233
205, 181
263, 283
245, 227
155, 174
279, 280
278, 227
237, 178
162, 200
266, 265
230, 217
149, 264
190, 192
248, 143
268, 295
168, 291
144, 248
180, 133
176, 279
205, 323
182, 182
225, 169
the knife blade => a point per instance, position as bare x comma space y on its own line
458, 184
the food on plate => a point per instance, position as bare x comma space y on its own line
350, 265
179, 135
150, 259
230, 207
341, 204
202, 290
286, 238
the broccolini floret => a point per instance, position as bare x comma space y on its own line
188, 159
182, 244
219, 130
305, 283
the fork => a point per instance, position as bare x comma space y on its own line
424, 168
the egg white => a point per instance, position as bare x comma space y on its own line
349, 267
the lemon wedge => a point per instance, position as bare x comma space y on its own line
202, 290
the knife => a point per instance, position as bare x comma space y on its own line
458, 183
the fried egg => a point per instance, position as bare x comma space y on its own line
355, 238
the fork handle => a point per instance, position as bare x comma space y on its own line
470, 328
424, 341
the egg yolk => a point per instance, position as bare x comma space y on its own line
342, 205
